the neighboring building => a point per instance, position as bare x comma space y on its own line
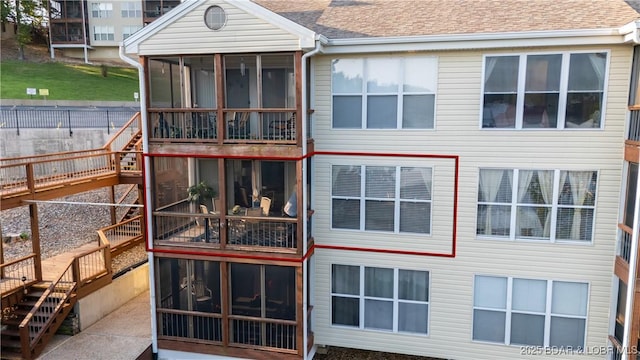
464, 173
93, 30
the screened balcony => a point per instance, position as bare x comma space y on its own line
253, 99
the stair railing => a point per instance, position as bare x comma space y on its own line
121, 138
43, 313
13, 272
125, 196
122, 235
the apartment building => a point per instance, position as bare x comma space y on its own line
93, 30
464, 176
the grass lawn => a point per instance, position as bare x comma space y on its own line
67, 81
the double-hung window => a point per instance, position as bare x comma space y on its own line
551, 205
131, 9
101, 10
559, 90
381, 198
129, 30
515, 311
380, 298
103, 32
384, 93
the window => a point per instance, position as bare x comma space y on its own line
563, 90
384, 93
516, 311
103, 33
381, 198
215, 17
550, 205
391, 299
101, 10
131, 9
129, 30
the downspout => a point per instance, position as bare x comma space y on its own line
305, 200
633, 257
147, 190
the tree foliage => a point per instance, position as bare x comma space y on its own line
29, 18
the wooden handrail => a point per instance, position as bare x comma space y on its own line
135, 117
3, 265
61, 154
106, 228
106, 153
24, 330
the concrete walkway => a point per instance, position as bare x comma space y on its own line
122, 335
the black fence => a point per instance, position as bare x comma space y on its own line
70, 119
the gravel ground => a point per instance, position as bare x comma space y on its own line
64, 227
338, 353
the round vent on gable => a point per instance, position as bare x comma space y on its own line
215, 17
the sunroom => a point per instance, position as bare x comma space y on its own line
227, 98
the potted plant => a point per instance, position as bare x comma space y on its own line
201, 192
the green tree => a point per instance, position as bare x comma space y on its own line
29, 17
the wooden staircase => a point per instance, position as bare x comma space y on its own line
32, 314
34, 320
128, 156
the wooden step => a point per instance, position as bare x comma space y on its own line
12, 344
10, 354
10, 332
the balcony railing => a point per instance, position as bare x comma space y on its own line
240, 125
279, 334
624, 245
634, 125
181, 224
190, 325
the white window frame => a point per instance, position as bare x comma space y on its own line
400, 93
129, 30
396, 301
104, 33
563, 91
396, 199
131, 9
548, 314
102, 10
554, 206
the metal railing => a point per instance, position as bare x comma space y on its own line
190, 325
68, 119
18, 273
624, 244
200, 229
261, 332
240, 125
634, 125
262, 231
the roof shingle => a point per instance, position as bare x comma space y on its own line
338, 19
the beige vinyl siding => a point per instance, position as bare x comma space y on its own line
242, 33
457, 132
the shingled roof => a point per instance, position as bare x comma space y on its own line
340, 19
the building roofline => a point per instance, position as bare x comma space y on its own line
307, 37
478, 40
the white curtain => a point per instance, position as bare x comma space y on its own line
525, 217
489, 185
545, 179
490, 65
580, 181
598, 63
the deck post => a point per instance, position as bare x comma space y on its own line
35, 239
112, 209
1, 254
